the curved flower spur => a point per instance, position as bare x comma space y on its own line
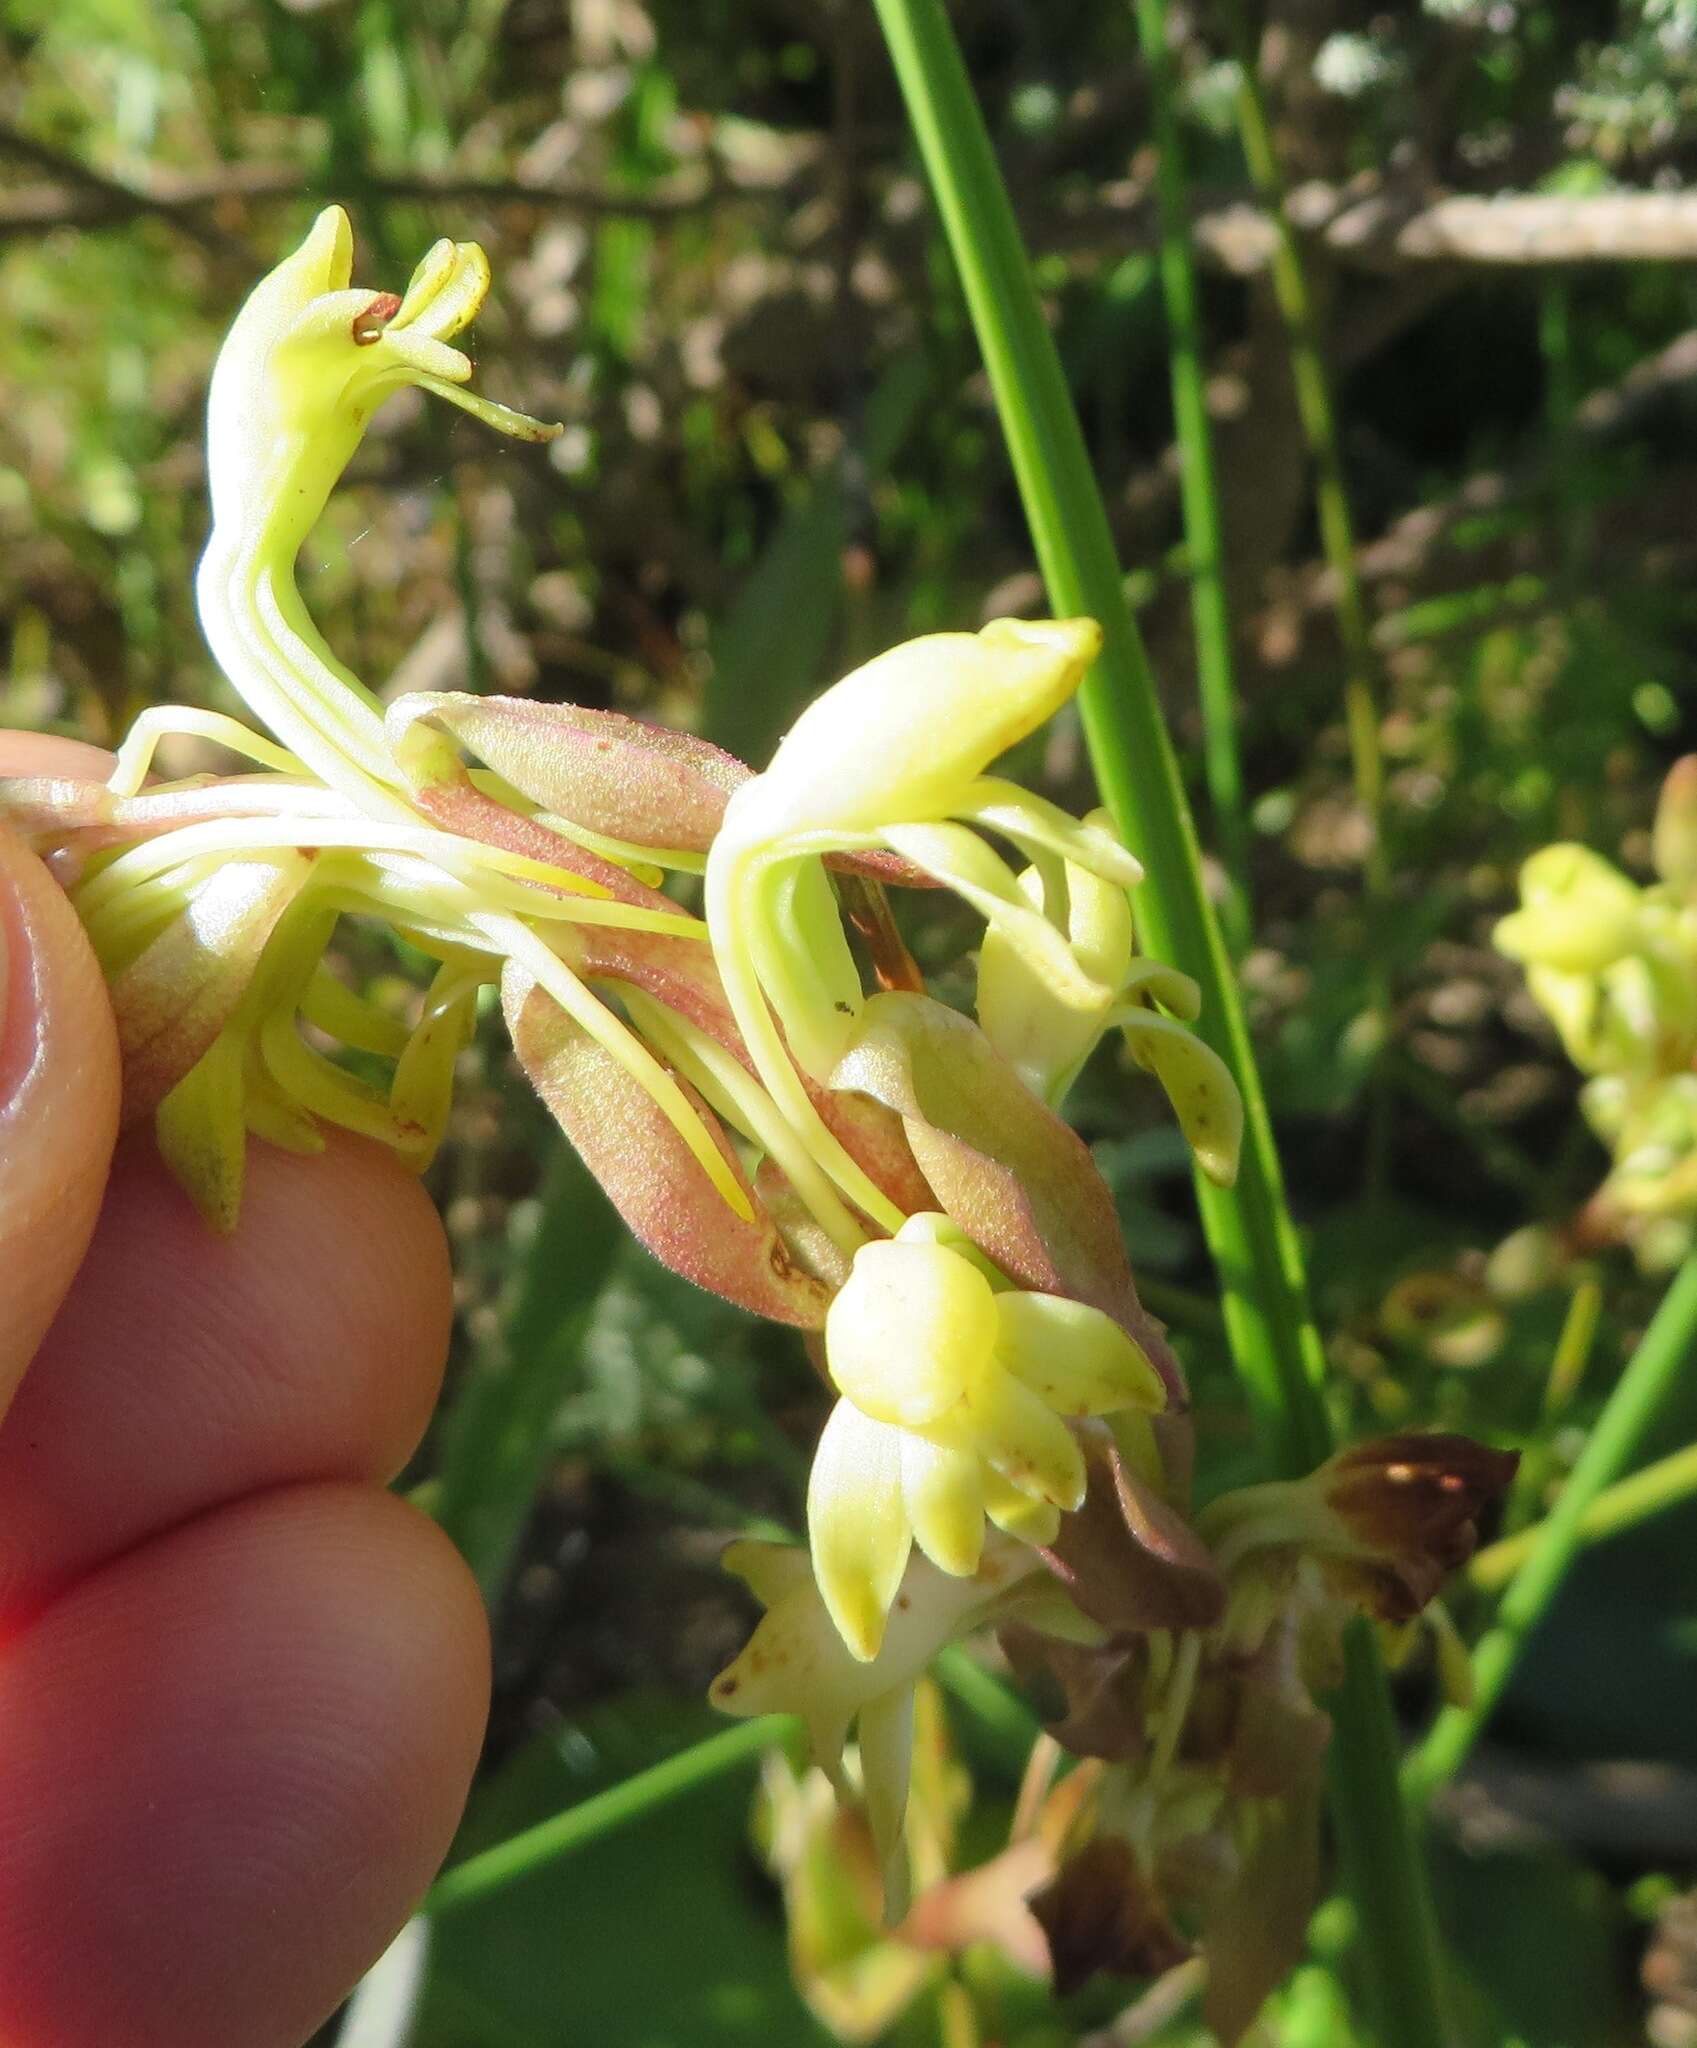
211, 903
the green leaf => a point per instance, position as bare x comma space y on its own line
500, 1435
661, 1937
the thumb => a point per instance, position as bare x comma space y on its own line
58, 1096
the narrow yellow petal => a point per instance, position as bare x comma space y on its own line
1199, 1086
1024, 1440
944, 1492
980, 877
857, 1525
1016, 1514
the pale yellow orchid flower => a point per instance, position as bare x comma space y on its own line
957, 1389
893, 759
210, 907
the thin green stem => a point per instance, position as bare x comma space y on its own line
1652, 1373
1665, 1484
1249, 1229
1573, 1348
1380, 1854
1318, 417
1209, 608
563, 1834
1274, 1342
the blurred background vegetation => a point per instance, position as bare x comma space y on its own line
716, 262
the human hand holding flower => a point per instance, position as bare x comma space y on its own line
241, 1687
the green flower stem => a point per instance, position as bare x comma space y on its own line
1573, 1348
1652, 1373
1006, 1718
1273, 1338
563, 1834
1209, 608
1274, 1342
1337, 538
1665, 1484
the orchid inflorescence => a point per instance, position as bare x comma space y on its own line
780, 1112
1613, 965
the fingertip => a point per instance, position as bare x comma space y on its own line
355, 1235
187, 1369
245, 1748
58, 1101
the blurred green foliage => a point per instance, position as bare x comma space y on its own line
714, 261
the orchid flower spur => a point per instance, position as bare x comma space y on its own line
955, 1384
211, 903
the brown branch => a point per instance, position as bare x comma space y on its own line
1369, 226
1364, 224
1525, 228
81, 197
95, 195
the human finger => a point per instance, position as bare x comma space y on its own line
232, 1760
185, 1369
58, 1089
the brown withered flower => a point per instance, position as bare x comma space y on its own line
1384, 1521
1101, 1912
1411, 1507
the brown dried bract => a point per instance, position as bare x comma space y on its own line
1415, 1501
1102, 1913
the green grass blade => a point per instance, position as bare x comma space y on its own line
1209, 608
1668, 1483
1272, 1335
1318, 416
1249, 1230
562, 1834
1655, 1369
501, 1437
